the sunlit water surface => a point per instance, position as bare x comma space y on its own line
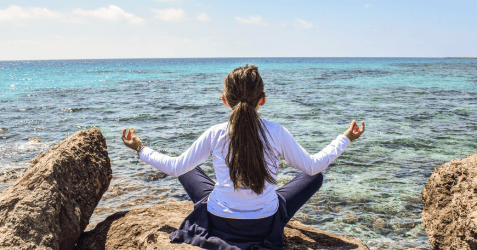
419, 113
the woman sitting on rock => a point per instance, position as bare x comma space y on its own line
243, 210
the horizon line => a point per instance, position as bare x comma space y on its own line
136, 58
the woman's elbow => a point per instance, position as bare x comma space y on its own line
175, 173
308, 171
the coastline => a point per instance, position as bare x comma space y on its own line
461, 57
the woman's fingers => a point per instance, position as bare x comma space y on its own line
133, 132
130, 140
123, 135
358, 131
129, 137
354, 132
353, 126
350, 127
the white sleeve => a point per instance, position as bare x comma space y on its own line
176, 166
297, 156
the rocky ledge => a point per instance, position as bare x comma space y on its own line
149, 228
450, 205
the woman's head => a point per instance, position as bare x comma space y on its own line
243, 84
243, 92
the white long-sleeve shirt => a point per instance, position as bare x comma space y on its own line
243, 203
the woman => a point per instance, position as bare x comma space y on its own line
243, 210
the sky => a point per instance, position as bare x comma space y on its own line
61, 29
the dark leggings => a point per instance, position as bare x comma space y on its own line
296, 192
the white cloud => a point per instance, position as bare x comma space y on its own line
170, 15
112, 13
164, 1
367, 5
256, 20
303, 24
203, 17
17, 13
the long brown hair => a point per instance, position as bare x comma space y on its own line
243, 89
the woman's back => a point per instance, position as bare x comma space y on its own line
242, 203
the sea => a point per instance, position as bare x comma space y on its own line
419, 113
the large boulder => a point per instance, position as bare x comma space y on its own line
450, 205
51, 204
149, 228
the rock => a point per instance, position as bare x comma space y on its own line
51, 204
450, 205
35, 139
303, 237
12, 174
149, 228
142, 228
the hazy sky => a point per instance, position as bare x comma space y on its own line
54, 29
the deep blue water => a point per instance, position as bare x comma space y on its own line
419, 113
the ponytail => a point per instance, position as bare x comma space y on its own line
243, 89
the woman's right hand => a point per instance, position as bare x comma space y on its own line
354, 132
131, 140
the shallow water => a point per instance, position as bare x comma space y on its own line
419, 113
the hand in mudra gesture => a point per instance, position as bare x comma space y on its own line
354, 132
131, 140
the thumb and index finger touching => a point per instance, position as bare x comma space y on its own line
354, 128
362, 127
130, 134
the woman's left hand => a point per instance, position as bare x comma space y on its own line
353, 131
131, 140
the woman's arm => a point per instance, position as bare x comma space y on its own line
314, 164
174, 166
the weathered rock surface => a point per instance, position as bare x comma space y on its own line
50, 205
149, 228
450, 205
35, 139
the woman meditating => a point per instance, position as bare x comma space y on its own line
242, 210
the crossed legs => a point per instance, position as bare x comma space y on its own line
299, 190
296, 193
196, 184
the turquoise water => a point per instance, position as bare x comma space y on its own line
419, 113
